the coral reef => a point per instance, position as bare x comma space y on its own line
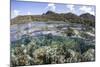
58, 50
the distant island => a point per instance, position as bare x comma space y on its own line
85, 18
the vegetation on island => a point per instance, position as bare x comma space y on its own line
86, 18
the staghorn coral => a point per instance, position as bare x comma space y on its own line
89, 55
73, 56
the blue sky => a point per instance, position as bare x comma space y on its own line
36, 8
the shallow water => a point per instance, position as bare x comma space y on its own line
38, 28
34, 27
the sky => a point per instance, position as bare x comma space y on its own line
38, 8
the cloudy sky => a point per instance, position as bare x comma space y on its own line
35, 8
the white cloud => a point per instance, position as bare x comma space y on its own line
51, 6
15, 13
29, 13
70, 7
87, 9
